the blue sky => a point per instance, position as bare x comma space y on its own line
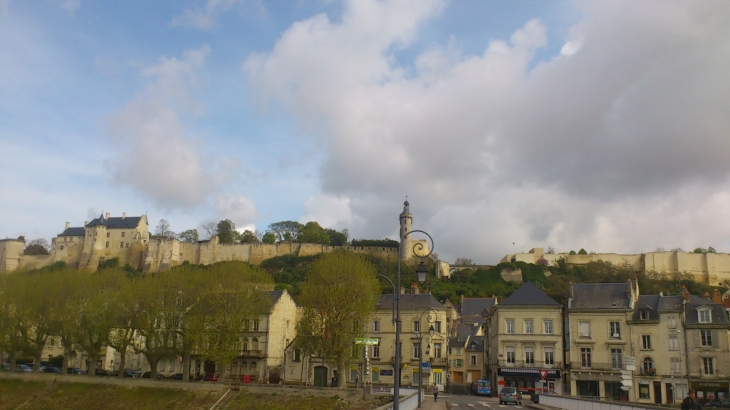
597, 125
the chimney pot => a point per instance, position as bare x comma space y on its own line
716, 296
124, 215
107, 215
68, 225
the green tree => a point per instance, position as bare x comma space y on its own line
189, 236
337, 238
285, 230
269, 237
340, 291
312, 232
582, 252
249, 236
38, 246
226, 231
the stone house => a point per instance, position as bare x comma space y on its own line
525, 337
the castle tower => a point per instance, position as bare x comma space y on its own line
406, 220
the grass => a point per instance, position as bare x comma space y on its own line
265, 402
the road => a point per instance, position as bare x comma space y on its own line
461, 397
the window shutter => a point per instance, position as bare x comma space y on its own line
713, 334
698, 338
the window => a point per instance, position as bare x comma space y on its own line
673, 341
708, 365
529, 355
473, 360
244, 345
510, 355
704, 316
675, 365
647, 366
585, 329
107, 244
585, 357
644, 390
126, 244
672, 322
548, 326
458, 362
376, 326
646, 342
510, 326
255, 344
121, 244
437, 350
706, 337
615, 329
376, 373
255, 325
108, 234
644, 314
416, 351
61, 247
416, 326
437, 326
123, 234
549, 356
297, 355
246, 326
376, 350
528, 326
616, 359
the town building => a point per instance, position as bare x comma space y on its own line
525, 341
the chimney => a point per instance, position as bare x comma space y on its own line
402, 290
706, 295
717, 296
685, 292
86, 223
124, 215
107, 215
68, 225
414, 289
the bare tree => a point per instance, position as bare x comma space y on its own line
38, 246
163, 229
211, 229
463, 262
550, 250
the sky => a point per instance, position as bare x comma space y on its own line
507, 125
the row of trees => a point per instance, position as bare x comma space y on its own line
284, 231
188, 310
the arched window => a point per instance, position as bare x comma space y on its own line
244, 345
255, 344
647, 365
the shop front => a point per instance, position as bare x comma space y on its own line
710, 390
529, 380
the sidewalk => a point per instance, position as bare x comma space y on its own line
428, 404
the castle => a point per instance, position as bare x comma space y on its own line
129, 240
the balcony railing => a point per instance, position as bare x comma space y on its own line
533, 364
596, 366
438, 361
252, 353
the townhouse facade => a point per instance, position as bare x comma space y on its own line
525, 339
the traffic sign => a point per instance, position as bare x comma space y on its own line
366, 341
627, 381
543, 374
630, 362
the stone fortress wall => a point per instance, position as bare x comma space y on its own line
712, 268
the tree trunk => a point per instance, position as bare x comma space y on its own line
153, 368
122, 361
11, 359
37, 363
92, 364
341, 374
66, 358
186, 367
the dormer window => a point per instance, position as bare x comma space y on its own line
704, 315
644, 314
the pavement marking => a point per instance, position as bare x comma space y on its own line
469, 405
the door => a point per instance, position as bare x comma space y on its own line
670, 393
320, 376
458, 377
658, 392
468, 377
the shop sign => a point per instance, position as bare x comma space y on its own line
709, 385
386, 372
510, 371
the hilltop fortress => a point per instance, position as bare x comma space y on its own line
129, 240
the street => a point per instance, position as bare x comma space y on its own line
462, 397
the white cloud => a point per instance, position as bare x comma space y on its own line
237, 208
155, 153
590, 149
329, 211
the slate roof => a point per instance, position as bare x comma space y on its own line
655, 304
420, 301
529, 294
475, 344
464, 329
275, 294
456, 342
129, 222
719, 314
77, 231
601, 296
476, 306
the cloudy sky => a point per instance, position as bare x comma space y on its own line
508, 125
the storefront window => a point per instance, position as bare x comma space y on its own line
644, 390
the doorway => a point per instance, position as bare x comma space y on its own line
670, 393
658, 392
320, 376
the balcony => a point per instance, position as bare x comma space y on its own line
648, 372
596, 366
531, 365
438, 361
252, 353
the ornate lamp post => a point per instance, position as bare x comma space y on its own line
420, 335
421, 271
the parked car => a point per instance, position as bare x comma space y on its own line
210, 377
76, 370
23, 368
101, 372
146, 375
179, 376
510, 395
724, 403
51, 369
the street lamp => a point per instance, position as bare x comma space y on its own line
421, 270
420, 335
